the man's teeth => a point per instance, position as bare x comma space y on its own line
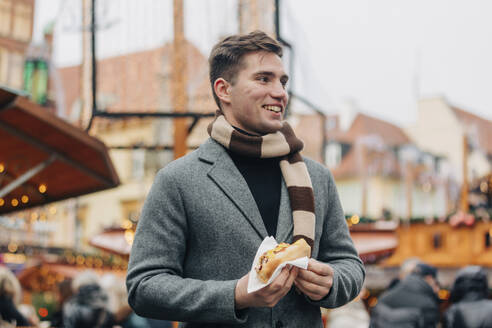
275, 109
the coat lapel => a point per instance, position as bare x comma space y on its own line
228, 178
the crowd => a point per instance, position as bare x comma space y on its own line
87, 301
410, 301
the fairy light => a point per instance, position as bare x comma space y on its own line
52, 210
373, 301
443, 294
355, 219
129, 236
483, 187
12, 247
2, 167
14, 202
42, 188
2, 201
127, 224
24, 199
34, 216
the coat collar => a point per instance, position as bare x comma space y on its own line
226, 175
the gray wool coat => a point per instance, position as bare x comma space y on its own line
198, 234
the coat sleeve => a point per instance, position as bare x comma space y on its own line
337, 249
155, 282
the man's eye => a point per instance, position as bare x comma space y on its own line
263, 79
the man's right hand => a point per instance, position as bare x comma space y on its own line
269, 295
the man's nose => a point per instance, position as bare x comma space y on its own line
278, 91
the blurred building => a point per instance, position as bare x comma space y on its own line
135, 82
16, 24
380, 172
441, 128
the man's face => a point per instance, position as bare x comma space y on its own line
258, 97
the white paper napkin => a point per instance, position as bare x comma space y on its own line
254, 283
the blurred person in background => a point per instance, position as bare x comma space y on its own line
470, 307
63, 292
353, 314
88, 307
29, 312
405, 269
412, 303
10, 295
124, 316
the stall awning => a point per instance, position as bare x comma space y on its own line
45, 159
115, 241
373, 245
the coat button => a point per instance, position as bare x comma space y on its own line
279, 324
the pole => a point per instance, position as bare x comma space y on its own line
464, 206
178, 85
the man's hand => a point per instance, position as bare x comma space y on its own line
269, 295
316, 281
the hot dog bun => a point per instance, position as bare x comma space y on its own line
284, 252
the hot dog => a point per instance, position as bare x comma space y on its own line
284, 252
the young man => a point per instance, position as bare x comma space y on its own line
208, 212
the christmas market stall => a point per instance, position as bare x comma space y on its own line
45, 159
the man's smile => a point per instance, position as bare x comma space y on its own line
273, 108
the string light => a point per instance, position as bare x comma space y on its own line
2, 202
52, 210
24, 199
2, 167
355, 219
127, 224
43, 312
12, 247
42, 188
483, 187
373, 301
14, 202
129, 235
443, 294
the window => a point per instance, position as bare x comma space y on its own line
131, 209
5, 14
4, 66
333, 154
437, 240
138, 161
16, 66
22, 22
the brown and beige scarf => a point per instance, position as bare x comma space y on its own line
285, 144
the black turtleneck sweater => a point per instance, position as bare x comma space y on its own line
264, 179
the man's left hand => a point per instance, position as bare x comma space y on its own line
316, 281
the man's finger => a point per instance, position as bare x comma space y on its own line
292, 276
312, 277
320, 268
280, 280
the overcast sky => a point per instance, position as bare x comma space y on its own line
379, 53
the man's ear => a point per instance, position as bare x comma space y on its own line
222, 90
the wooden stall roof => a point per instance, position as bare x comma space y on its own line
70, 161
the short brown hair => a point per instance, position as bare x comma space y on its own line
226, 56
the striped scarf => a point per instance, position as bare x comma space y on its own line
285, 144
